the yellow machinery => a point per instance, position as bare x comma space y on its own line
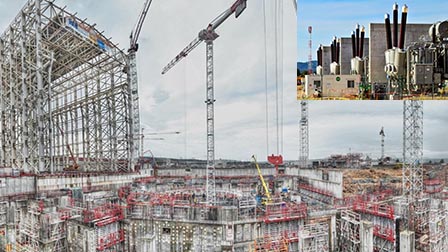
268, 198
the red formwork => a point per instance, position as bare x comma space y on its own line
110, 240
284, 211
433, 185
386, 233
103, 215
377, 209
316, 190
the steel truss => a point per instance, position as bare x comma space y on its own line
412, 148
63, 90
412, 158
304, 135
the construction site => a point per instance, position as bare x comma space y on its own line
382, 61
74, 177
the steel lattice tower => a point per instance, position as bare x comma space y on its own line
383, 135
304, 135
412, 149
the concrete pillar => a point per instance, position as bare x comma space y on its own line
407, 241
332, 231
366, 236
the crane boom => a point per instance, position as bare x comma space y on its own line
208, 33
135, 34
182, 54
266, 190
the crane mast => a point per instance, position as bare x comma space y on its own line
131, 70
208, 35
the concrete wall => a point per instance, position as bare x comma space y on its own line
13, 186
240, 171
334, 183
333, 85
347, 55
326, 59
377, 47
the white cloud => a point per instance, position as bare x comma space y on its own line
239, 82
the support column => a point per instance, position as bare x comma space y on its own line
366, 236
407, 241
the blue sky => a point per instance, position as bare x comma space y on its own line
338, 18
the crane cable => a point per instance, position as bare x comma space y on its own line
276, 74
278, 52
281, 63
266, 78
185, 108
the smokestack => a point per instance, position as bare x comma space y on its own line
395, 38
357, 39
332, 52
353, 45
338, 50
388, 31
404, 16
318, 59
321, 58
361, 49
434, 39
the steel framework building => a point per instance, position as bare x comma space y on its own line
65, 98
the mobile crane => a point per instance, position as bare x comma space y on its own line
267, 195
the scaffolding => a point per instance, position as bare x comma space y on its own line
57, 71
438, 230
314, 238
349, 228
421, 210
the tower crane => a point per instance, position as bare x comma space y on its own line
208, 35
131, 70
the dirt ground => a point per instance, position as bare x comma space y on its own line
358, 181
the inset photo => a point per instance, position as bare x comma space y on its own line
372, 50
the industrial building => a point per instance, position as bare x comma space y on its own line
421, 67
72, 177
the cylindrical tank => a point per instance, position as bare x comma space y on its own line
389, 68
357, 65
400, 61
441, 30
390, 56
335, 68
319, 70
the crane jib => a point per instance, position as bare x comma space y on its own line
240, 8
